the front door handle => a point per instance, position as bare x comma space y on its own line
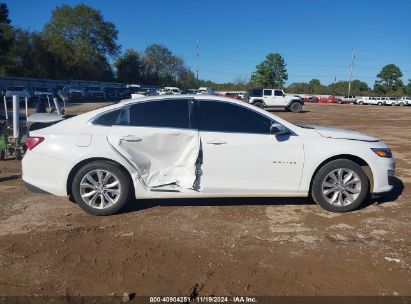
131, 138
216, 142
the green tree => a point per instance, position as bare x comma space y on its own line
6, 37
270, 73
187, 80
161, 66
298, 88
82, 41
314, 85
28, 57
359, 88
408, 88
389, 79
129, 67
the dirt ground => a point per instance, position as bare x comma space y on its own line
49, 246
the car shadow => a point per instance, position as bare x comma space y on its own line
138, 205
275, 110
398, 188
8, 178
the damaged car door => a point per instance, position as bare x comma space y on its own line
160, 142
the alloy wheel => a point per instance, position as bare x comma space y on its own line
341, 187
100, 189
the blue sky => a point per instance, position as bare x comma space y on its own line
315, 37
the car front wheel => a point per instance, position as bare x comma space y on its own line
340, 186
101, 188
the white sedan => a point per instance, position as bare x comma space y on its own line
201, 146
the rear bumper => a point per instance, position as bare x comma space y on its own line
34, 189
45, 174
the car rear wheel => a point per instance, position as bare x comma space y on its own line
340, 186
380, 103
101, 188
296, 107
401, 104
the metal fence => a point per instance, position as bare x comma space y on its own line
52, 84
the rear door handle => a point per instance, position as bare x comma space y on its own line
216, 142
131, 138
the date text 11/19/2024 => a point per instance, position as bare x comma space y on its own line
203, 299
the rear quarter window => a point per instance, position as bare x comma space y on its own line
108, 119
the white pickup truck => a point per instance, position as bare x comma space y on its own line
266, 98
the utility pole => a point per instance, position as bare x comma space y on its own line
198, 59
351, 66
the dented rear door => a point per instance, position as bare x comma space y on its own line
160, 142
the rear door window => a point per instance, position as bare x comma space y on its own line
171, 113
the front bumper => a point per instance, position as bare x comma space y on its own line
383, 171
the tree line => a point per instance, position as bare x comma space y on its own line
78, 43
272, 73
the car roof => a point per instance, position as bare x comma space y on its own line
187, 96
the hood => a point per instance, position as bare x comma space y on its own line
340, 133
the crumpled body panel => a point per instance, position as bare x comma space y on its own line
162, 156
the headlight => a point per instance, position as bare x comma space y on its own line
382, 152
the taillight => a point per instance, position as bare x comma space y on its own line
32, 142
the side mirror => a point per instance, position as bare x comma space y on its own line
278, 129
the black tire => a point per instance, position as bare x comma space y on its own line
111, 167
401, 104
259, 104
316, 187
2, 154
295, 107
19, 154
